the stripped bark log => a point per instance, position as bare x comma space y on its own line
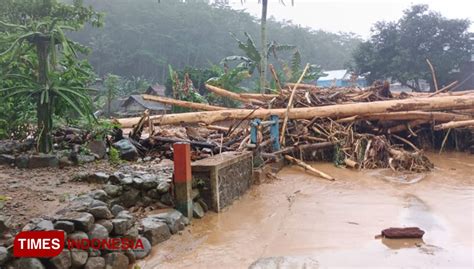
444, 89
233, 95
309, 168
454, 124
258, 96
180, 103
332, 111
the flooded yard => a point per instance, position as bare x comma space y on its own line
336, 223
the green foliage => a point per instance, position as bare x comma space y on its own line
399, 50
114, 156
183, 88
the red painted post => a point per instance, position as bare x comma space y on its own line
183, 178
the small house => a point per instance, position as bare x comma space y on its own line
136, 105
157, 89
341, 78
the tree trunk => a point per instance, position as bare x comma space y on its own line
44, 110
174, 102
263, 33
333, 111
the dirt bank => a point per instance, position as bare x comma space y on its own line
336, 222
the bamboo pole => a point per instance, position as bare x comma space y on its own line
433, 74
332, 111
258, 96
275, 77
444, 89
309, 168
232, 95
303, 86
454, 124
181, 103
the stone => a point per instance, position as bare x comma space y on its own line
130, 197
82, 221
82, 158
120, 226
116, 260
83, 203
78, 258
194, 194
22, 161
98, 232
163, 187
126, 149
28, 263
66, 226
4, 224
153, 194
107, 224
62, 261
113, 190
198, 211
203, 204
94, 252
43, 160
297, 262
167, 199
100, 195
95, 263
173, 218
98, 148
149, 181
101, 212
78, 236
142, 253
4, 255
131, 233
7, 159
124, 214
44, 225
126, 180
155, 231
130, 255
96, 203
99, 177
117, 209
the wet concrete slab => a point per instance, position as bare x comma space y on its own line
337, 223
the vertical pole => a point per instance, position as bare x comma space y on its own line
275, 132
183, 178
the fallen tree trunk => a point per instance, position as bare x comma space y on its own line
309, 168
180, 103
259, 96
333, 111
233, 95
454, 124
303, 86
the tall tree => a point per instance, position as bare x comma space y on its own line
399, 50
41, 62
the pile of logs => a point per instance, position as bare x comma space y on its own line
364, 128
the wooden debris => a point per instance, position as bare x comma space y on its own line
309, 168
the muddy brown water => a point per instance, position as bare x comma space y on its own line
336, 223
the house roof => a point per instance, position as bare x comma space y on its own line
335, 74
151, 105
156, 89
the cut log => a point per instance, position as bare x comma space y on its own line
232, 95
333, 111
351, 163
309, 168
258, 96
303, 86
398, 233
452, 84
454, 124
180, 103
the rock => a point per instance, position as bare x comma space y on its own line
98, 232
99, 177
4, 224
130, 255
97, 147
407, 232
81, 158
163, 187
285, 262
117, 209
167, 199
83, 203
124, 214
130, 197
44, 225
173, 218
95, 263
107, 224
22, 161
126, 149
198, 212
7, 159
4, 255
77, 237
66, 226
116, 260
28, 263
142, 253
126, 180
64, 161
82, 221
101, 212
131, 233
94, 252
153, 194
43, 160
100, 195
78, 258
149, 181
155, 231
138, 182
62, 261
203, 204
113, 190
120, 226
194, 194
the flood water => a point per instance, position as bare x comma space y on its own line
336, 223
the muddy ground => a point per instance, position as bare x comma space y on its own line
336, 223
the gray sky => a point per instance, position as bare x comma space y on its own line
353, 15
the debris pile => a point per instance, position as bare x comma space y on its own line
361, 127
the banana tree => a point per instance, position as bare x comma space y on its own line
41, 62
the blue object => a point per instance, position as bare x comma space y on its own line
274, 131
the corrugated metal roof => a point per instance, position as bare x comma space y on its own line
151, 105
156, 89
334, 74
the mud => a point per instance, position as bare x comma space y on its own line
337, 223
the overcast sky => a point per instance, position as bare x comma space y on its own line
352, 15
